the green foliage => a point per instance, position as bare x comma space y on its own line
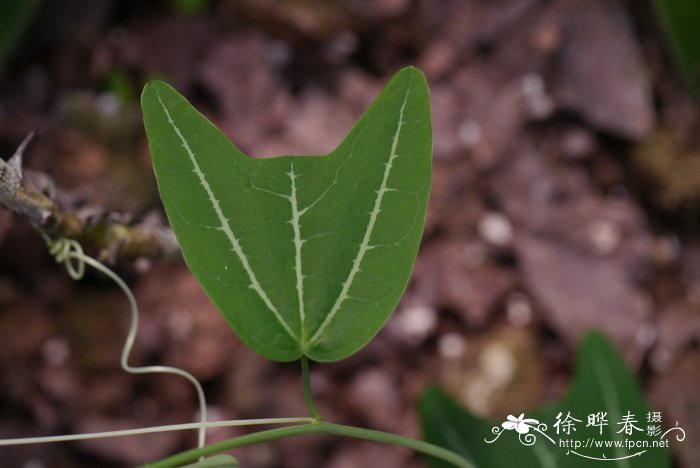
217, 461
303, 255
602, 383
14, 18
681, 19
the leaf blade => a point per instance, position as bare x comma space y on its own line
188, 190
325, 244
399, 93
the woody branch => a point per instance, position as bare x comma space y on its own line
113, 237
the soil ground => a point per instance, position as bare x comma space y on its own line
566, 196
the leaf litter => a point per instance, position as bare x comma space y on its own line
518, 131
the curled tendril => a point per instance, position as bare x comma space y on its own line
69, 253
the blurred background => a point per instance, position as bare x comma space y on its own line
565, 196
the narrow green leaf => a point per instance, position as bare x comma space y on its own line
217, 461
602, 383
303, 255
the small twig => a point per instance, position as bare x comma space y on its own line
111, 237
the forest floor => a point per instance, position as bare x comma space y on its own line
565, 196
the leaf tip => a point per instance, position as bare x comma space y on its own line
413, 72
596, 338
153, 86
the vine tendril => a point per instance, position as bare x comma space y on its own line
70, 253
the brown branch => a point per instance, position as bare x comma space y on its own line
112, 237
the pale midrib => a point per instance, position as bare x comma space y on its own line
297, 251
225, 227
364, 245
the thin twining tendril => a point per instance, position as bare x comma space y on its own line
69, 253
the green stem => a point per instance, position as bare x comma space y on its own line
308, 397
394, 439
319, 427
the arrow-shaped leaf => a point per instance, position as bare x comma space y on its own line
303, 255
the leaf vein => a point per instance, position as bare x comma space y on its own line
225, 226
363, 249
298, 243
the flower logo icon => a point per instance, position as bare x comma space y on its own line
520, 424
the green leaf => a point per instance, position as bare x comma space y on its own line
681, 19
217, 461
602, 383
303, 255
